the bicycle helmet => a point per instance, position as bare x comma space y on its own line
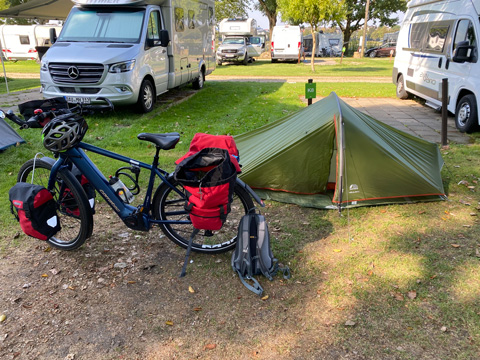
62, 134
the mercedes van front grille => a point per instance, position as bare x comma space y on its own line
76, 73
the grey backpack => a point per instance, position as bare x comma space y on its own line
253, 254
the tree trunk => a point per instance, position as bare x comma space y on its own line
314, 49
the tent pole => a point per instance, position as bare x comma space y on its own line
341, 151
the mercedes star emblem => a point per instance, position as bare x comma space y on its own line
73, 72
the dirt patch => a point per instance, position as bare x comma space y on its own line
120, 297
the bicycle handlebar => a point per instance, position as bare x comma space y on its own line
41, 118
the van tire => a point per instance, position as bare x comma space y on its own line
146, 97
466, 114
245, 60
373, 54
274, 60
401, 92
219, 62
198, 82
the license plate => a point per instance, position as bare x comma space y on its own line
78, 100
229, 55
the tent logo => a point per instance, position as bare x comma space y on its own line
353, 187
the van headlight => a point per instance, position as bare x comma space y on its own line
122, 67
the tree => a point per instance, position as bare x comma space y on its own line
379, 10
229, 9
312, 12
270, 9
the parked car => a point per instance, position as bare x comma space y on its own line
382, 50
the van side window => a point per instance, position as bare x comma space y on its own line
436, 38
191, 19
417, 34
466, 32
211, 17
153, 31
179, 19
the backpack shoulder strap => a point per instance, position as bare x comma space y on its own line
256, 287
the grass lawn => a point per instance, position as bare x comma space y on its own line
387, 282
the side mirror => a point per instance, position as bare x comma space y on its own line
463, 52
53, 36
164, 38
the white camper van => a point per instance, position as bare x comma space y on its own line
239, 41
287, 43
437, 40
130, 51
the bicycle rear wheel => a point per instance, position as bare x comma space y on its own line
73, 208
169, 205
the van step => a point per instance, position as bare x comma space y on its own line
434, 106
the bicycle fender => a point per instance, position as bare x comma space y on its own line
251, 192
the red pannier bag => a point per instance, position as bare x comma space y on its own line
208, 177
201, 141
35, 210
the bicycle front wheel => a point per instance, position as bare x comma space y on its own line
73, 209
170, 205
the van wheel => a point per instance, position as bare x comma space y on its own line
466, 115
146, 97
219, 62
198, 82
245, 61
373, 54
274, 60
401, 92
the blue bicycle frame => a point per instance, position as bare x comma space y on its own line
125, 211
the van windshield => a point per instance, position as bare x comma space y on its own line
236, 41
101, 25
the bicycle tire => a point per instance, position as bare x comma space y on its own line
73, 209
169, 205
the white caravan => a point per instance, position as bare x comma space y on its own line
18, 42
437, 40
130, 51
239, 41
287, 43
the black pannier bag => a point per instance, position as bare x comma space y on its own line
36, 210
27, 108
209, 178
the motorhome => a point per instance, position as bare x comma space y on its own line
18, 42
287, 43
438, 40
129, 51
240, 42
326, 44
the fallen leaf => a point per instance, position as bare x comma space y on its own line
412, 294
197, 309
190, 289
265, 297
337, 250
443, 328
398, 296
210, 346
44, 275
350, 323
169, 323
3, 317
455, 245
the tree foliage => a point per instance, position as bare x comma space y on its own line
229, 9
380, 11
270, 9
312, 12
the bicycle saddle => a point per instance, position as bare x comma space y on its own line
163, 141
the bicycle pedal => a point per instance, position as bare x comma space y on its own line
208, 233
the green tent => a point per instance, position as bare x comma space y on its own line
297, 160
